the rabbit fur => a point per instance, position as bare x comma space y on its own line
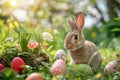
79, 49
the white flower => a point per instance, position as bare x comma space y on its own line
47, 36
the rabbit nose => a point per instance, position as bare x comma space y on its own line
70, 46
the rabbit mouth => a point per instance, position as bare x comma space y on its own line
69, 46
72, 47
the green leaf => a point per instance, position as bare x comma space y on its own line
117, 19
8, 72
116, 30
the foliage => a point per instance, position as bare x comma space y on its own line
9, 74
108, 32
23, 35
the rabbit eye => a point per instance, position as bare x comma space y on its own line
75, 37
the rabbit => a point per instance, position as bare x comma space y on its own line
80, 50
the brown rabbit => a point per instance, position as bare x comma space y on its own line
81, 51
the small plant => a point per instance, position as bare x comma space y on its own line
31, 51
23, 34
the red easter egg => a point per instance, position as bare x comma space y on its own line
17, 64
1, 67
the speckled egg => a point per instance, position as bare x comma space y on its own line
58, 67
60, 54
111, 68
80, 69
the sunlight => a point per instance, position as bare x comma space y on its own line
13, 3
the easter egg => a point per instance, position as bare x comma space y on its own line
60, 54
58, 67
17, 64
111, 68
80, 69
1, 67
34, 76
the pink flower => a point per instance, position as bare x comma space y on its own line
32, 44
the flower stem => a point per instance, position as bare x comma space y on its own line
54, 77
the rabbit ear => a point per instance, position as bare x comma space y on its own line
79, 20
71, 23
